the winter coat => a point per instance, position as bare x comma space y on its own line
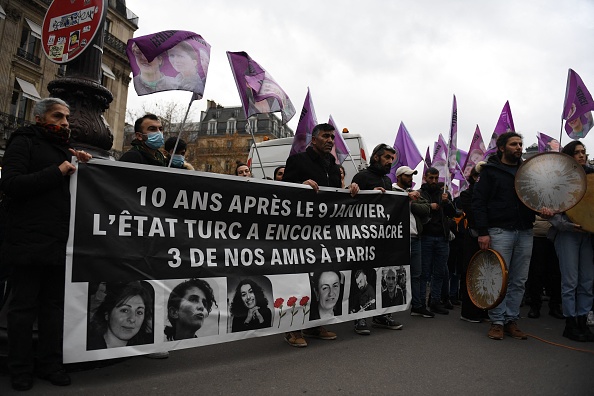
372, 177
439, 224
138, 154
38, 198
309, 165
495, 202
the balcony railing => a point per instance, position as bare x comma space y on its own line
9, 123
115, 43
28, 56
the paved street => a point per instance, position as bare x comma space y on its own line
444, 356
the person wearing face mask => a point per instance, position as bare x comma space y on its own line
179, 159
149, 139
36, 172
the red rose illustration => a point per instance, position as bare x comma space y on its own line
304, 300
291, 301
278, 302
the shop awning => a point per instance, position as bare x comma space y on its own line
35, 28
107, 71
29, 90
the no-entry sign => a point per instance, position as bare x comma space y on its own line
69, 27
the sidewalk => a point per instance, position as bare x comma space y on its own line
444, 356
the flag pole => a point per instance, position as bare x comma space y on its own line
248, 128
180, 130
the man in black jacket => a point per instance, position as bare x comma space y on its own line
315, 167
435, 247
149, 139
505, 224
374, 178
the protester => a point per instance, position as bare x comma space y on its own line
574, 250
279, 173
36, 172
189, 304
420, 211
179, 159
242, 170
375, 178
124, 318
249, 307
469, 312
543, 273
393, 287
148, 140
315, 167
505, 224
435, 239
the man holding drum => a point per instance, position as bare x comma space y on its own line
505, 224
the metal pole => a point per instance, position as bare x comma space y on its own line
249, 129
179, 132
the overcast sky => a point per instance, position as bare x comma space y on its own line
375, 63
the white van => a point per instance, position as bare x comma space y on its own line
274, 153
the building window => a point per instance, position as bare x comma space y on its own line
275, 128
62, 70
208, 167
249, 143
212, 127
231, 125
107, 26
30, 42
282, 131
229, 144
20, 105
253, 121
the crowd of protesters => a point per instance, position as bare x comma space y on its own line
544, 255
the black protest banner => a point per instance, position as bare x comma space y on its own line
290, 257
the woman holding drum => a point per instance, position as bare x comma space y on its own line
574, 249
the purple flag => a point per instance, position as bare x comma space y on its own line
407, 152
453, 142
427, 163
307, 122
476, 152
440, 158
504, 124
460, 160
577, 107
258, 91
547, 143
340, 150
172, 59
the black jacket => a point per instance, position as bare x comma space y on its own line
38, 200
138, 154
439, 225
372, 177
309, 165
495, 202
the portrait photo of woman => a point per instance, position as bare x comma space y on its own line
249, 305
185, 60
124, 317
327, 291
188, 307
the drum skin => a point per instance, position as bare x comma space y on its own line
583, 212
486, 279
553, 180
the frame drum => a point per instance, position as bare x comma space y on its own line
553, 180
583, 212
486, 279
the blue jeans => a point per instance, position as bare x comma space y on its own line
415, 272
574, 250
434, 257
515, 246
